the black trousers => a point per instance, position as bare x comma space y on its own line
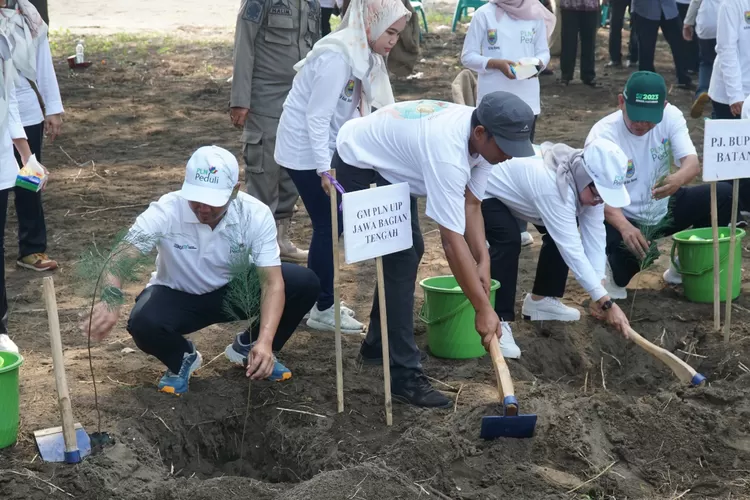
400, 276
32, 230
501, 231
3, 293
689, 47
325, 20
647, 32
577, 23
690, 207
162, 315
617, 22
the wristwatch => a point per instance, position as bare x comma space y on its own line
607, 305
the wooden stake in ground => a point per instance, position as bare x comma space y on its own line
730, 266
717, 289
384, 339
336, 295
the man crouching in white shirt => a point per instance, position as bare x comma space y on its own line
444, 152
654, 136
560, 192
199, 232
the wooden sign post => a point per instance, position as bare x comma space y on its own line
726, 156
377, 222
337, 295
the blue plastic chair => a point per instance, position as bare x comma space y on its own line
462, 10
419, 9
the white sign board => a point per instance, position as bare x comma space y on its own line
377, 222
726, 150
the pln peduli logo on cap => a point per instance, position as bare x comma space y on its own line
211, 176
645, 94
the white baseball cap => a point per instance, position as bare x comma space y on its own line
211, 175
607, 164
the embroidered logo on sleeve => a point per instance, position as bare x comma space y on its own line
253, 11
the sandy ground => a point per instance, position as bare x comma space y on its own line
90, 16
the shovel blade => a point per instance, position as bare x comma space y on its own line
51, 444
521, 426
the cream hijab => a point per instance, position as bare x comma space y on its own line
21, 29
530, 10
364, 22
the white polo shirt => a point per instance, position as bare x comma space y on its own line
425, 144
648, 158
193, 258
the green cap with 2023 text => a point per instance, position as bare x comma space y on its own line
645, 93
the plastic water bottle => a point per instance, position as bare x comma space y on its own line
79, 53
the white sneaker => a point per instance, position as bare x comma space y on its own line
548, 309
671, 276
526, 239
7, 345
507, 345
344, 310
615, 292
325, 321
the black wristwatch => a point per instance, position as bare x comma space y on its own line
607, 305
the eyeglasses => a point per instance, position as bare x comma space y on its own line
595, 193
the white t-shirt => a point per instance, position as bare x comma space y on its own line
13, 129
511, 39
648, 158
324, 96
425, 144
529, 189
706, 19
28, 102
193, 258
730, 80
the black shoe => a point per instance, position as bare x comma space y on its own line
592, 83
414, 389
369, 355
689, 85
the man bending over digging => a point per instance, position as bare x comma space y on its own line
201, 233
444, 152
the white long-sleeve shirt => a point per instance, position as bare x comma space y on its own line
511, 39
28, 103
529, 189
324, 96
730, 80
13, 130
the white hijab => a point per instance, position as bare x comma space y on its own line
364, 22
568, 165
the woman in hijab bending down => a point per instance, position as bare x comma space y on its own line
344, 76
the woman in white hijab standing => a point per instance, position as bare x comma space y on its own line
40, 107
344, 76
500, 34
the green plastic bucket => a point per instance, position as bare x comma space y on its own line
696, 262
9, 414
449, 317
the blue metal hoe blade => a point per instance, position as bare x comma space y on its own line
51, 445
520, 426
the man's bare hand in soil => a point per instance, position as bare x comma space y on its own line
102, 321
238, 116
260, 364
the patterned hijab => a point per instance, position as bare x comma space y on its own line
364, 22
529, 10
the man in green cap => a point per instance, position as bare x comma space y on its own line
654, 136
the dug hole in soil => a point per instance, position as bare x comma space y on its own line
602, 404
613, 422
